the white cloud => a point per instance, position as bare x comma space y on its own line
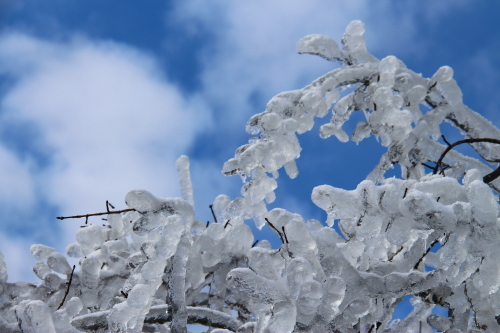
17, 189
17, 257
112, 121
253, 50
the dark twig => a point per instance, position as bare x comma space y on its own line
255, 243
489, 177
212, 210
284, 234
67, 288
227, 223
404, 195
96, 214
446, 141
396, 253
426, 252
492, 176
208, 222
272, 226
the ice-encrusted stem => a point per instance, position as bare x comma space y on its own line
186, 187
160, 314
177, 285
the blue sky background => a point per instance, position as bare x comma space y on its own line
101, 97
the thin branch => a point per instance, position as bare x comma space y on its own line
67, 288
446, 141
255, 243
272, 226
227, 223
492, 176
108, 204
426, 252
212, 210
489, 177
284, 234
396, 253
96, 214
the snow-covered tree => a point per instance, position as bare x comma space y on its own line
155, 268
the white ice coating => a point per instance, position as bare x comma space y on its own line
182, 165
3, 269
430, 235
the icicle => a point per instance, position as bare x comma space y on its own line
186, 187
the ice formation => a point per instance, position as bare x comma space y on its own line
155, 268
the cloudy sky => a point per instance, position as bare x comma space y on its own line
101, 97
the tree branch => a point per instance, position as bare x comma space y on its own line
162, 314
96, 214
489, 177
279, 233
67, 289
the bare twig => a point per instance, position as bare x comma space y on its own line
284, 234
272, 226
67, 288
96, 214
255, 243
110, 205
227, 223
212, 210
489, 177
446, 141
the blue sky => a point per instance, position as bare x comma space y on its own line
101, 97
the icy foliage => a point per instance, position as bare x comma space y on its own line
155, 268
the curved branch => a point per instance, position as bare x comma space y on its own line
489, 177
161, 314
